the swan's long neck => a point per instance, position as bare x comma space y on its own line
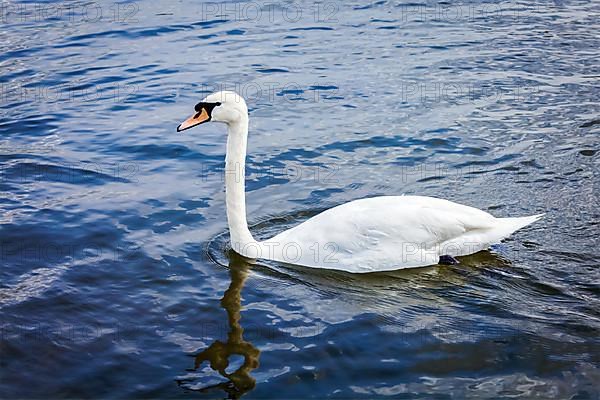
235, 193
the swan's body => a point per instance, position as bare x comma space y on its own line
367, 235
393, 232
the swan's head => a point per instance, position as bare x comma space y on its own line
228, 107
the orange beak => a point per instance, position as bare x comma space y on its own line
196, 119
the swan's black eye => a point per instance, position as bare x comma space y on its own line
206, 106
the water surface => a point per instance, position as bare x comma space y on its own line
116, 280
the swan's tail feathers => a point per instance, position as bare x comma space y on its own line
514, 224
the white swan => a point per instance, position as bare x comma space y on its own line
367, 235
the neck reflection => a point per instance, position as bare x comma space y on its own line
218, 353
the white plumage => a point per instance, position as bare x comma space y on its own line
392, 232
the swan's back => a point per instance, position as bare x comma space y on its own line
390, 232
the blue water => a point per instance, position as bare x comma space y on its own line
116, 280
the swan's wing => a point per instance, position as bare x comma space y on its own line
382, 233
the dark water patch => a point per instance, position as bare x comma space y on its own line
590, 123
271, 70
369, 6
30, 125
323, 87
208, 36
313, 28
290, 91
24, 52
210, 23
95, 35
495, 161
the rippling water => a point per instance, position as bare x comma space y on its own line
116, 280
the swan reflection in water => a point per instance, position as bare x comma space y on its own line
356, 295
218, 353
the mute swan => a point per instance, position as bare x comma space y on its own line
367, 235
